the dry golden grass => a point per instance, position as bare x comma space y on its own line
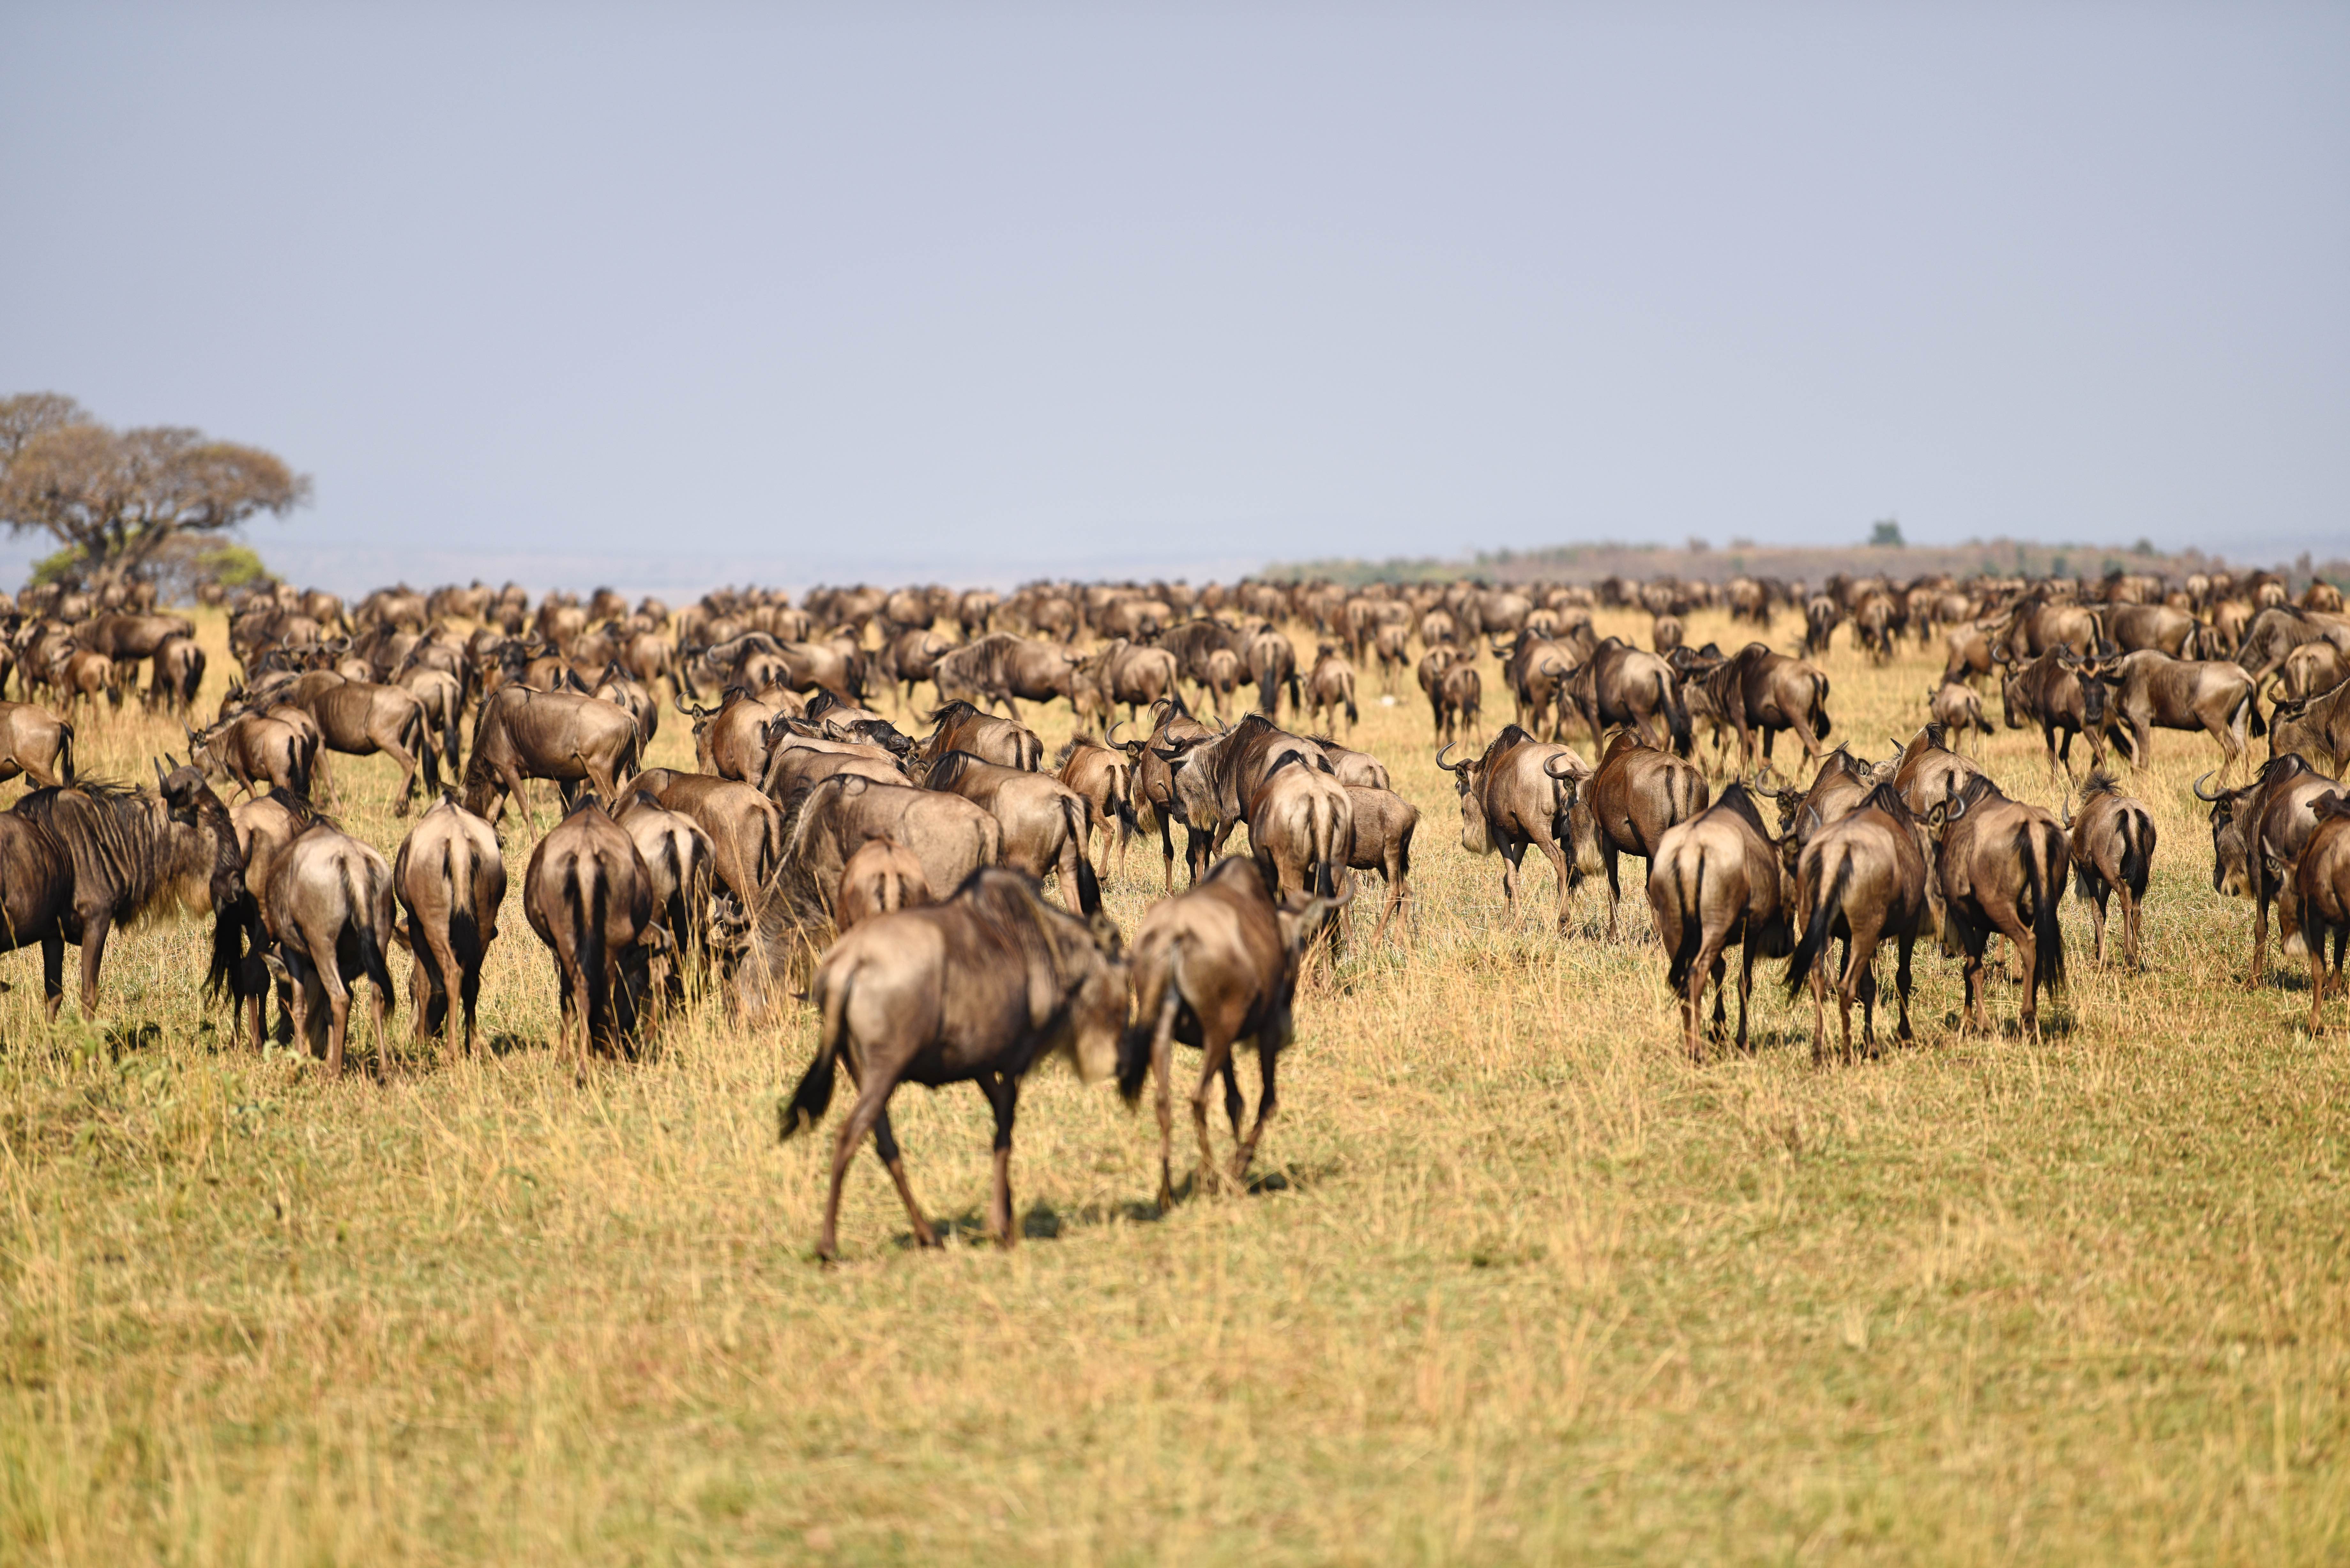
1520, 1284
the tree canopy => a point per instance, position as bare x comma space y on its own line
121, 497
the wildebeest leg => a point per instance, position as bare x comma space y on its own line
1393, 877
427, 984
2316, 982
2028, 951
1615, 891
2097, 919
1268, 1104
1717, 970
1819, 1014
1162, 1043
872, 1099
2262, 894
93, 953
1214, 1053
1903, 943
338, 1003
2130, 925
1511, 854
1235, 1103
1970, 970
53, 974
1745, 989
1002, 1092
1557, 857
885, 1149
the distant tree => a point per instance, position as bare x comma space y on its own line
1698, 545
1887, 532
116, 499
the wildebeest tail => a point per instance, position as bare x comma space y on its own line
2137, 851
2043, 857
1691, 899
813, 1096
2252, 701
1815, 934
1820, 708
65, 751
371, 958
464, 931
1076, 813
1154, 1010
1353, 715
588, 951
1677, 717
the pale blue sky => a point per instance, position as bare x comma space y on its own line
800, 293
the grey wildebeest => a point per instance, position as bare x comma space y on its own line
588, 895
1524, 792
1212, 967
360, 719
136, 853
880, 879
36, 743
1864, 877
957, 726
1716, 882
2001, 866
1636, 793
2151, 690
450, 880
525, 734
2313, 900
1044, 821
2271, 818
978, 988
328, 908
2112, 841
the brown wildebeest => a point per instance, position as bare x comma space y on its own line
84, 676
37, 892
1331, 687
328, 907
910, 654
678, 859
1212, 967
2313, 900
1955, 707
2316, 727
1620, 684
136, 853
2035, 627
2053, 692
2152, 691
176, 673
1044, 821
442, 695
1382, 825
1103, 776
450, 880
745, 828
799, 760
2276, 631
1127, 672
1001, 669
1864, 877
360, 719
2273, 816
1151, 787
1457, 695
623, 690
1715, 882
2158, 627
2001, 864
1355, 769
960, 727
1536, 668
977, 988
1822, 615
1391, 646
129, 638
1970, 653
1301, 822
1637, 793
1927, 771
36, 743
590, 897
1756, 689
2112, 841
1215, 776
1843, 782
880, 879
258, 750
525, 734
2310, 670
830, 819
1518, 794
1665, 633
1270, 661
731, 738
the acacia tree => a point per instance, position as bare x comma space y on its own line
121, 497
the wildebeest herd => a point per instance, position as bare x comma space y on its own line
890, 869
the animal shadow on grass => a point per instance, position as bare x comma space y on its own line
1043, 1222
506, 1041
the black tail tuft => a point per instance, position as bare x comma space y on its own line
1088, 886
1815, 934
1134, 1059
65, 751
2044, 865
1692, 936
2137, 853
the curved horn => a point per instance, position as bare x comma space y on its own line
1558, 757
1447, 767
2201, 796
158, 771
1111, 738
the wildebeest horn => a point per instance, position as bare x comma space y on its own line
1111, 738
1441, 754
158, 771
1557, 757
2201, 796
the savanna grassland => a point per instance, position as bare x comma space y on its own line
1518, 1282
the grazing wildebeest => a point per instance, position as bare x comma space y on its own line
2317, 727
36, 891
1212, 967
977, 988
882, 878
136, 853
442, 695
1822, 615
826, 823
1216, 776
1536, 668
1636, 793
1524, 792
259, 750
525, 734
2277, 630
1044, 821
744, 827
1970, 653
2001, 867
1331, 687
1864, 877
588, 895
2112, 841
2053, 692
1355, 769
2151, 690
2158, 627
1843, 782
958, 726
1716, 882
2273, 815
1620, 684
36, 743
328, 908
450, 880
1926, 771
2313, 898
2310, 670
1301, 822
1382, 825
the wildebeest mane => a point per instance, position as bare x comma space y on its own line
1735, 800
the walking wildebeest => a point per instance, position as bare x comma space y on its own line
1213, 966
588, 895
1715, 882
1044, 821
36, 743
2151, 690
450, 880
328, 907
1620, 684
2313, 900
977, 988
1301, 822
2112, 841
1525, 791
1379, 840
525, 734
258, 750
358, 718
1331, 687
2052, 692
2001, 866
2273, 816
1864, 877
1635, 793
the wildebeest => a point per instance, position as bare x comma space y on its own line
1715, 883
328, 908
2052, 692
1216, 776
743, 828
36, 743
1001, 669
679, 859
1330, 687
360, 719
450, 880
2276, 631
880, 879
1212, 967
1301, 822
1955, 707
1131, 673
2112, 841
1380, 839
1620, 684
136, 853
37, 893
588, 895
259, 750
2313, 898
1103, 776
1864, 877
1756, 689
1524, 792
731, 738
977, 988
2152, 691
2310, 670
2317, 727
2158, 627
1455, 693
957, 726
2001, 867
175, 675
827, 823
524, 734
2273, 816
1635, 793
1268, 659
1044, 821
